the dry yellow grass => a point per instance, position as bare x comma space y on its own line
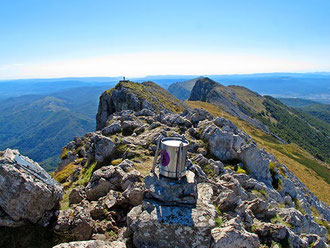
145, 166
67, 171
286, 154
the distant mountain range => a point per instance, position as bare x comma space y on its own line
266, 113
312, 86
39, 116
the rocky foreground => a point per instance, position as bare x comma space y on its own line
249, 201
235, 194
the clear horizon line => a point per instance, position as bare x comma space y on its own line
169, 75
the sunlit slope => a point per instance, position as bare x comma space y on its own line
313, 173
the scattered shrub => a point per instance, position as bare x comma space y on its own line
67, 171
64, 154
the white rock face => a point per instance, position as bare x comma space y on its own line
27, 191
92, 244
226, 145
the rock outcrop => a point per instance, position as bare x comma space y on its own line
27, 192
207, 90
92, 244
240, 195
202, 88
134, 96
157, 224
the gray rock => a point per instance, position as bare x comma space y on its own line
154, 125
276, 232
258, 207
92, 244
171, 191
27, 191
130, 126
144, 112
103, 180
217, 166
222, 122
200, 160
227, 200
288, 188
130, 178
76, 221
126, 165
112, 129
77, 195
313, 240
294, 218
140, 130
233, 234
225, 145
6, 220
103, 147
134, 193
157, 225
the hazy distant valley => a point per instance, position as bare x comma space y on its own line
40, 116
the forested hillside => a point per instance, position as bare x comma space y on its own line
40, 125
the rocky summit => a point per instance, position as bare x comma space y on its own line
234, 193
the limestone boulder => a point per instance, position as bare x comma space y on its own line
103, 180
156, 225
77, 195
114, 128
103, 147
172, 191
233, 234
27, 191
92, 244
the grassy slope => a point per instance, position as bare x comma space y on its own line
313, 173
285, 122
297, 127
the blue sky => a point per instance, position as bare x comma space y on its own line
58, 38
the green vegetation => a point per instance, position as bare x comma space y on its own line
116, 161
320, 111
297, 155
237, 168
297, 102
218, 219
297, 127
112, 234
261, 193
67, 171
278, 219
83, 179
39, 126
64, 154
321, 221
316, 109
241, 170
298, 206
208, 170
